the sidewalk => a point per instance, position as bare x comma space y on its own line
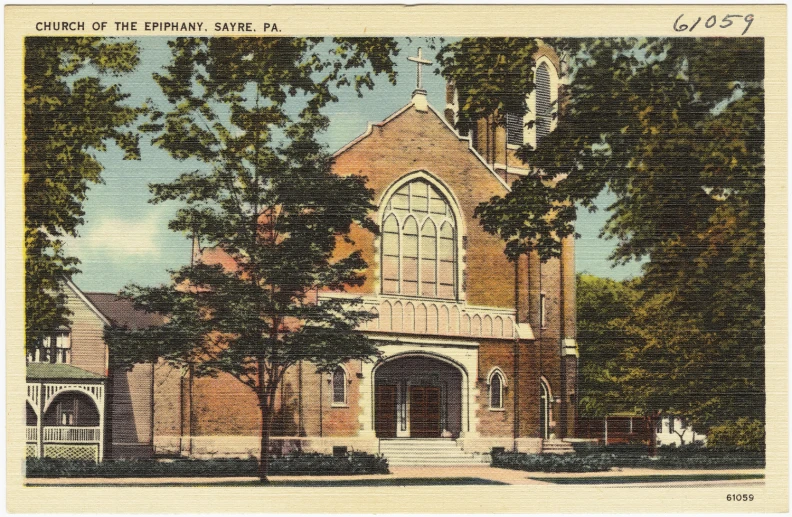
471, 475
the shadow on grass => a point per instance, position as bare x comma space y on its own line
305, 483
650, 478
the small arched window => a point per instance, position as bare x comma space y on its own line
339, 387
496, 384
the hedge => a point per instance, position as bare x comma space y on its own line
303, 464
552, 462
685, 457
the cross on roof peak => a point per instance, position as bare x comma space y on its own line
419, 61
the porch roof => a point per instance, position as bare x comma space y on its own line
59, 371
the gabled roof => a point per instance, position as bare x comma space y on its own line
120, 311
432, 110
50, 371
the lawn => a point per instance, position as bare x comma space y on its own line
308, 483
648, 478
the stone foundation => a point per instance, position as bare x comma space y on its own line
227, 446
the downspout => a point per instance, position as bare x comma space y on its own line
151, 422
321, 407
562, 331
190, 417
516, 382
300, 417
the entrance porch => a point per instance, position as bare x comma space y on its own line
419, 396
65, 412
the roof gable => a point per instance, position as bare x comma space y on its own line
451, 132
122, 313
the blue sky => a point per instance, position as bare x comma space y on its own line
125, 239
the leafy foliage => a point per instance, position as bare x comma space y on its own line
603, 310
491, 75
692, 456
532, 216
675, 128
305, 464
744, 433
266, 201
70, 115
552, 462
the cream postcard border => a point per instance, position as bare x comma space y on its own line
438, 20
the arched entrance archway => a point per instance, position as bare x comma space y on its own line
419, 395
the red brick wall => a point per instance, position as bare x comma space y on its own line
415, 141
498, 354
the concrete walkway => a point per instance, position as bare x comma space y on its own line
413, 475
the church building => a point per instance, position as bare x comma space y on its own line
477, 352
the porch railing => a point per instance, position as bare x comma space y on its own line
31, 433
71, 434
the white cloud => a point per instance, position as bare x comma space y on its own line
119, 239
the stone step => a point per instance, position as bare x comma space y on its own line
557, 447
428, 452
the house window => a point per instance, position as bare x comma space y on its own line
514, 127
496, 383
419, 252
339, 387
542, 311
54, 348
544, 104
671, 424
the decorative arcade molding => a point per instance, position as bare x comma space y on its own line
406, 315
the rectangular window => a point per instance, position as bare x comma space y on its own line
55, 348
514, 128
671, 424
542, 311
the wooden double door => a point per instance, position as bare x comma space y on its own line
424, 411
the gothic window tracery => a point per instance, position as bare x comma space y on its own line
419, 256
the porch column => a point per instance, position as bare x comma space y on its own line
101, 408
40, 433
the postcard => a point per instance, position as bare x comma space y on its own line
468, 259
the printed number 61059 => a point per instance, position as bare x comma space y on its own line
712, 22
739, 497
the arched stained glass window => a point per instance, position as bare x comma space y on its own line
410, 256
419, 252
446, 272
390, 255
496, 390
339, 386
428, 259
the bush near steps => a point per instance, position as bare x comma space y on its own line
552, 462
594, 458
300, 464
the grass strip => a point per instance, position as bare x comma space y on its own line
301, 483
649, 478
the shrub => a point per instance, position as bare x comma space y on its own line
692, 456
744, 433
552, 462
306, 464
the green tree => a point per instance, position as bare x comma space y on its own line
675, 128
249, 110
70, 115
604, 307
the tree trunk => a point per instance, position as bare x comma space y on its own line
264, 460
